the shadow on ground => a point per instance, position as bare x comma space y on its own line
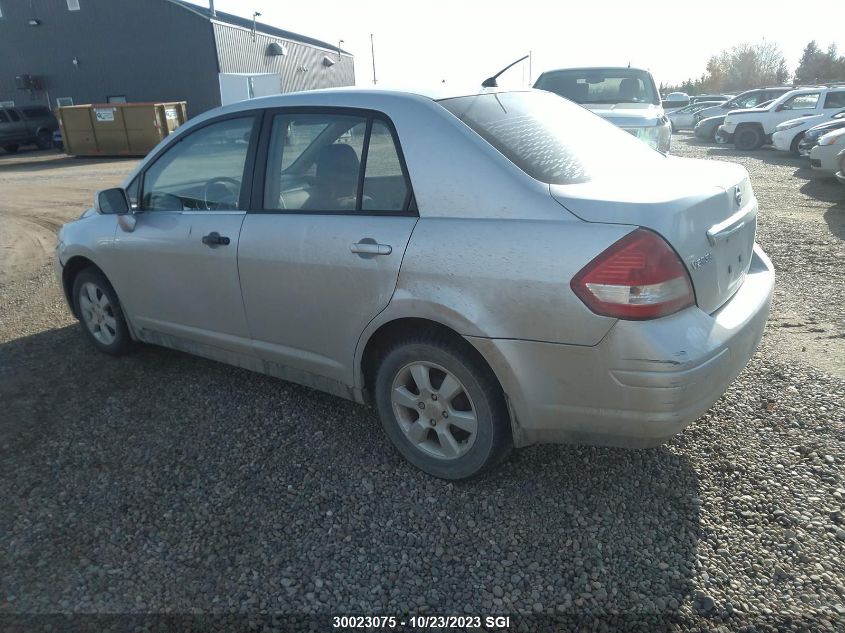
51, 160
160, 482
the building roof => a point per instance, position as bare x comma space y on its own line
246, 23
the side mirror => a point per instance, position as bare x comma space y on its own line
781, 108
112, 201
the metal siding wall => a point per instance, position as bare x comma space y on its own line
148, 51
237, 53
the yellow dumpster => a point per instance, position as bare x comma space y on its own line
118, 129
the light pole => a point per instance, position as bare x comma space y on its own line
338, 49
373, 52
255, 14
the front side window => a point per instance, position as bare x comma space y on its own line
14, 115
802, 102
550, 139
601, 85
835, 100
3, 117
746, 102
203, 171
320, 163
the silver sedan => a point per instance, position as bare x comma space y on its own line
480, 268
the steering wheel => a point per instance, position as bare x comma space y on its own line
228, 187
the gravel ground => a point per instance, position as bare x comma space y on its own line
162, 483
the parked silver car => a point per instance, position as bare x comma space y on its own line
480, 267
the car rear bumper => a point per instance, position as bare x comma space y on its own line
643, 383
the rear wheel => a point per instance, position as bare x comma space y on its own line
442, 407
44, 140
100, 314
748, 138
11, 148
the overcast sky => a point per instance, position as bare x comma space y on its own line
462, 41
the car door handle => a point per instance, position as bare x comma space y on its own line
371, 248
215, 239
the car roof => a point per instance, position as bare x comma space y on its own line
554, 70
352, 97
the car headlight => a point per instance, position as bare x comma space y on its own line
658, 136
787, 126
830, 139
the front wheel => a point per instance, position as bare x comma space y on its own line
795, 143
100, 314
748, 138
442, 407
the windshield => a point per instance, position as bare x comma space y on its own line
601, 85
551, 139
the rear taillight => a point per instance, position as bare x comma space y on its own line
639, 277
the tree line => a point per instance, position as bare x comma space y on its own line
752, 65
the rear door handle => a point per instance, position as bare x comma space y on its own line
215, 239
371, 248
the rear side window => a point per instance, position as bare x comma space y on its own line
551, 139
384, 183
14, 115
333, 163
835, 100
203, 171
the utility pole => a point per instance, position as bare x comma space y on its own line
373, 52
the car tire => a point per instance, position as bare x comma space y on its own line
795, 142
11, 149
44, 140
100, 314
748, 138
442, 407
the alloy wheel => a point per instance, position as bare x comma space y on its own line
98, 313
434, 410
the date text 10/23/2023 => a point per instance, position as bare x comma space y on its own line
420, 621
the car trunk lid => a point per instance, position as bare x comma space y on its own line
706, 210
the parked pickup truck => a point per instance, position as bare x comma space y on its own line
27, 125
751, 128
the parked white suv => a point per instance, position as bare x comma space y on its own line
749, 129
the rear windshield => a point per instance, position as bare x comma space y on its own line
549, 138
597, 85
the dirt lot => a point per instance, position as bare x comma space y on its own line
163, 483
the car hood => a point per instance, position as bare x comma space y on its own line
806, 120
628, 114
824, 128
705, 209
748, 111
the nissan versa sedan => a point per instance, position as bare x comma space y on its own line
480, 268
